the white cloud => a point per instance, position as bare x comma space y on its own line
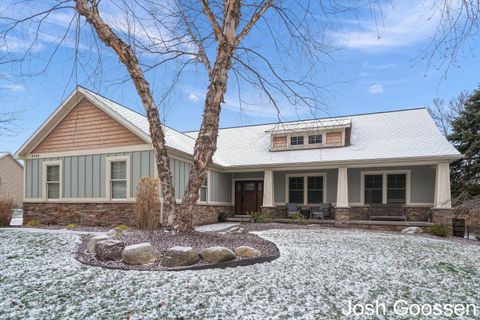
15, 87
375, 89
406, 23
193, 97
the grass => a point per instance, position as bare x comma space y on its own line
318, 272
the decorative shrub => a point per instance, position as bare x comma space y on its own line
121, 227
72, 226
222, 217
477, 236
6, 206
259, 217
147, 207
439, 230
32, 223
298, 218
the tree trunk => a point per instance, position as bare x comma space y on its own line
206, 143
128, 57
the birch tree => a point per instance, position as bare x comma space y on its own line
213, 34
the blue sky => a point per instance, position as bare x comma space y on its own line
375, 69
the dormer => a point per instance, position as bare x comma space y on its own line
314, 134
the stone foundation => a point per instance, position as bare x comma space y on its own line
103, 214
420, 214
444, 217
342, 217
275, 212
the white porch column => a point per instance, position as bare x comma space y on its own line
267, 188
342, 188
442, 187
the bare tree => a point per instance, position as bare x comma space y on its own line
444, 113
282, 61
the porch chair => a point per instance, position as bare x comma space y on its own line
321, 211
292, 209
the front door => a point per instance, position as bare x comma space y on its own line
248, 196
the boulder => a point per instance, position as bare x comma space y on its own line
109, 249
247, 252
92, 242
115, 233
411, 230
237, 230
179, 257
217, 254
142, 253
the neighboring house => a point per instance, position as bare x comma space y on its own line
83, 164
11, 179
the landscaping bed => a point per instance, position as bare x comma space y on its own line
163, 240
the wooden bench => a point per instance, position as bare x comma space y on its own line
387, 212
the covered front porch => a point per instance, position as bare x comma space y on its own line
363, 195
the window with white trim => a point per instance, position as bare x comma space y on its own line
315, 189
396, 188
315, 139
118, 179
204, 190
373, 188
53, 181
296, 140
295, 189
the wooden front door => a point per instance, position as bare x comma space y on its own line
248, 196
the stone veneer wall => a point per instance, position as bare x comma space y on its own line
103, 214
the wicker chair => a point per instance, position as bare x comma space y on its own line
292, 209
321, 211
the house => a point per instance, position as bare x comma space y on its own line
83, 164
11, 179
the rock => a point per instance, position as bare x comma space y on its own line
411, 230
248, 252
179, 256
92, 242
217, 254
109, 249
115, 233
237, 230
142, 253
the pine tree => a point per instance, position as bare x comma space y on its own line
465, 135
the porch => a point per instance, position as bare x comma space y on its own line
398, 196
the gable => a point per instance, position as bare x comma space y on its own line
87, 127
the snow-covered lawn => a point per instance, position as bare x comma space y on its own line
318, 272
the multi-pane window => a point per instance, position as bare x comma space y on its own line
315, 139
295, 189
396, 188
118, 179
53, 181
204, 190
373, 188
315, 189
296, 140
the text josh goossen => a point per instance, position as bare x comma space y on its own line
404, 308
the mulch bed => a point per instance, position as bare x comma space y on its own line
163, 240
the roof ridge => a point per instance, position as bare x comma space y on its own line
121, 105
313, 119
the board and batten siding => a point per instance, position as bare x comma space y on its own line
84, 176
220, 187
11, 180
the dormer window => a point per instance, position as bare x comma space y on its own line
296, 140
315, 139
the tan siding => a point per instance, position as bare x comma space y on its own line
280, 141
11, 184
87, 127
334, 138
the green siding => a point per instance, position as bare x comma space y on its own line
220, 186
180, 170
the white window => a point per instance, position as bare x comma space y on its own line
387, 187
118, 178
306, 189
53, 181
204, 190
296, 140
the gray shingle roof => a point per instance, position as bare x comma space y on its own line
403, 134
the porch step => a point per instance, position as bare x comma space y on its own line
240, 218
